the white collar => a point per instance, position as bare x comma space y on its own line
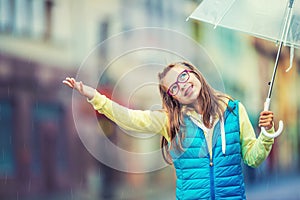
198, 120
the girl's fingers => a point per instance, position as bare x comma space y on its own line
269, 118
266, 119
71, 82
80, 87
265, 122
68, 79
266, 113
68, 84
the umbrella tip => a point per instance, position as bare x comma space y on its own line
187, 19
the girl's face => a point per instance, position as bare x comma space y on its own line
182, 84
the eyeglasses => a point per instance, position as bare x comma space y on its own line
181, 78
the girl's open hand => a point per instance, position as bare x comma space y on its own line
266, 119
84, 90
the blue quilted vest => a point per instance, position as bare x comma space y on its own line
199, 176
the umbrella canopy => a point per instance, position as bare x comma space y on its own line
261, 18
275, 20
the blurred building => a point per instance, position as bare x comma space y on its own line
42, 42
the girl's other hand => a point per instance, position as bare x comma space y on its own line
266, 119
84, 90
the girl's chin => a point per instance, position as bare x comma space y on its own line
189, 101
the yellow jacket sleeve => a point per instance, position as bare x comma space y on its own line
142, 121
254, 150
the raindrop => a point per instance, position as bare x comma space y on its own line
71, 193
80, 184
5, 181
122, 195
29, 185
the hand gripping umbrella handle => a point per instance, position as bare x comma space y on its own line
280, 126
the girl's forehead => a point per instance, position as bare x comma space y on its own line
176, 70
172, 74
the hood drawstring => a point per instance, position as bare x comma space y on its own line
223, 135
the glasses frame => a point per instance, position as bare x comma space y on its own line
177, 82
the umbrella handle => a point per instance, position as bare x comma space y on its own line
280, 125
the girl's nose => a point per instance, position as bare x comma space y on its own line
182, 86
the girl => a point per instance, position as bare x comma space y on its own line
205, 134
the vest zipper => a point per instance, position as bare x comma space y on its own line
211, 169
212, 181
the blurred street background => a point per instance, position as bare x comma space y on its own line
42, 156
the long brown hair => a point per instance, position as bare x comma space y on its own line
211, 102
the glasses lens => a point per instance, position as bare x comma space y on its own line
173, 89
183, 77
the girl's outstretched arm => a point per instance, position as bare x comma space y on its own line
83, 89
143, 121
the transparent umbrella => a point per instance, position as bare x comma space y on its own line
273, 20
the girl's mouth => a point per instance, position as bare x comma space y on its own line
188, 91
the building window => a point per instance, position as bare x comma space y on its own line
38, 23
7, 161
48, 140
154, 10
48, 19
27, 18
7, 15
23, 17
103, 34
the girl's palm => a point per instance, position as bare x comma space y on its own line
80, 87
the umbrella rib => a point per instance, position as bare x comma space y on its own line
290, 6
289, 19
226, 11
